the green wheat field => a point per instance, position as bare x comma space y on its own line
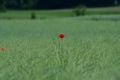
89, 51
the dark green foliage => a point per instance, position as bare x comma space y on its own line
2, 6
33, 15
2, 9
54, 4
80, 10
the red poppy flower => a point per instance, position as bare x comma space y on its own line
61, 36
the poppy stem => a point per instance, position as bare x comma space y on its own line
60, 51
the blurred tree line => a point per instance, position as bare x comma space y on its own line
53, 4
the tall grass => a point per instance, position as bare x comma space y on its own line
89, 51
